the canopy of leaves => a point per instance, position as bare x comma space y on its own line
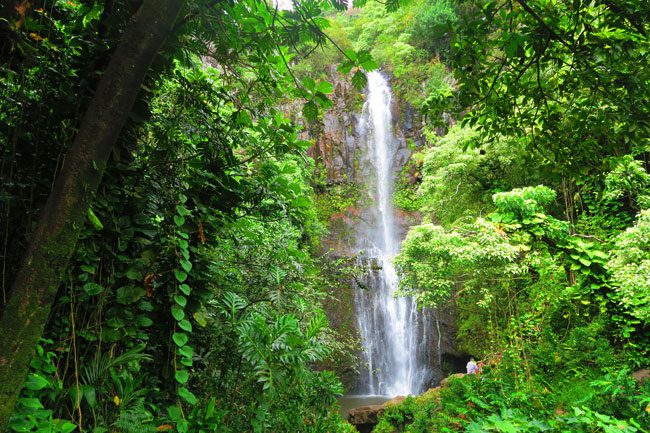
564, 74
630, 268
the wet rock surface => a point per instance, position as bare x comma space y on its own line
365, 418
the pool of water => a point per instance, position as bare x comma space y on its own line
348, 402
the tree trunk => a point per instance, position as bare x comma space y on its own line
55, 237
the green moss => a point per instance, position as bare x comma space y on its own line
412, 415
406, 195
334, 198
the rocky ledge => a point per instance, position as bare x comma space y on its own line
365, 418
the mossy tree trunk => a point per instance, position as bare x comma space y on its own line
55, 237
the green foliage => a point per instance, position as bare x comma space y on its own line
524, 203
537, 70
432, 26
528, 258
193, 300
630, 276
612, 200
412, 415
42, 384
460, 174
432, 258
264, 330
492, 402
206, 200
549, 283
628, 181
334, 199
135, 419
546, 299
391, 40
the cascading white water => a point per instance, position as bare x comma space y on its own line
393, 331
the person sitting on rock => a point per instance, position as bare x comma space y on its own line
472, 367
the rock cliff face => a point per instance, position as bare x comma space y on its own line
336, 137
335, 146
337, 151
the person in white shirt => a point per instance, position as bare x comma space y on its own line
472, 367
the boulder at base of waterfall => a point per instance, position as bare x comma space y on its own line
364, 418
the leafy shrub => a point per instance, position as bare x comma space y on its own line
630, 268
432, 26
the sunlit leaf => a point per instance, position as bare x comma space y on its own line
94, 220
181, 376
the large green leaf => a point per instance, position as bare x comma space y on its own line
94, 220
325, 87
178, 313
187, 395
180, 275
310, 111
130, 294
180, 300
36, 382
180, 338
185, 289
359, 80
185, 325
93, 289
181, 376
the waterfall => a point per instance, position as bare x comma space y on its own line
394, 333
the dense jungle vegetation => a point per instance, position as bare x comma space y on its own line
162, 220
